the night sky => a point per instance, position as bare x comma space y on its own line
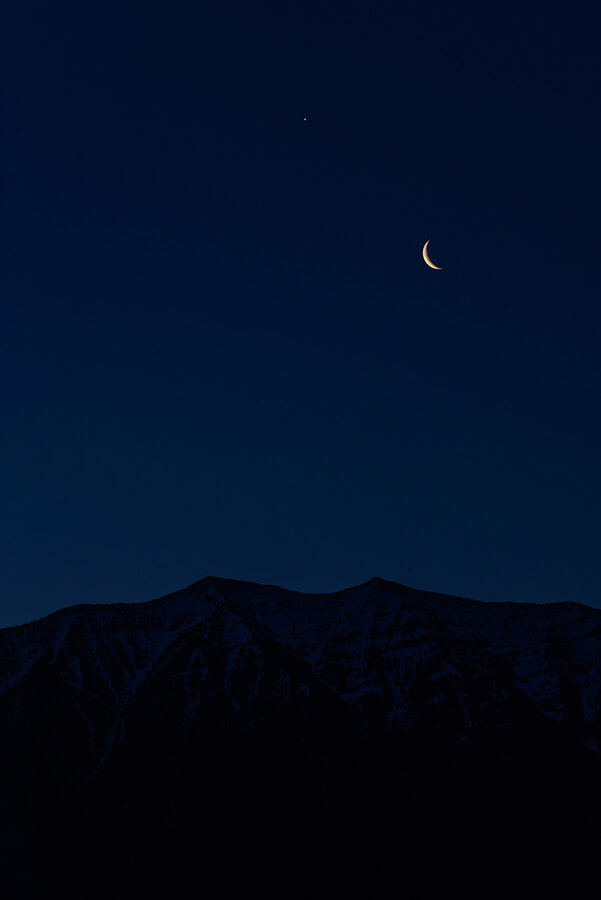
221, 351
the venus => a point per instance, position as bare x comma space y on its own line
427, 259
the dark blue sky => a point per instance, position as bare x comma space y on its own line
221, 351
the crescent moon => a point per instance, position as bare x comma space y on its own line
427, 259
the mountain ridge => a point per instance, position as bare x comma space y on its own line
376, 580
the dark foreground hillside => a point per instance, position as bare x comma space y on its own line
377, 742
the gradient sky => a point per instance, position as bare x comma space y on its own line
221, 352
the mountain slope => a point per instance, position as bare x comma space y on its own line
236, 643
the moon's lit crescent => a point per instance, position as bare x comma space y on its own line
427, 259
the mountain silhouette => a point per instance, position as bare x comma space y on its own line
376, 741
